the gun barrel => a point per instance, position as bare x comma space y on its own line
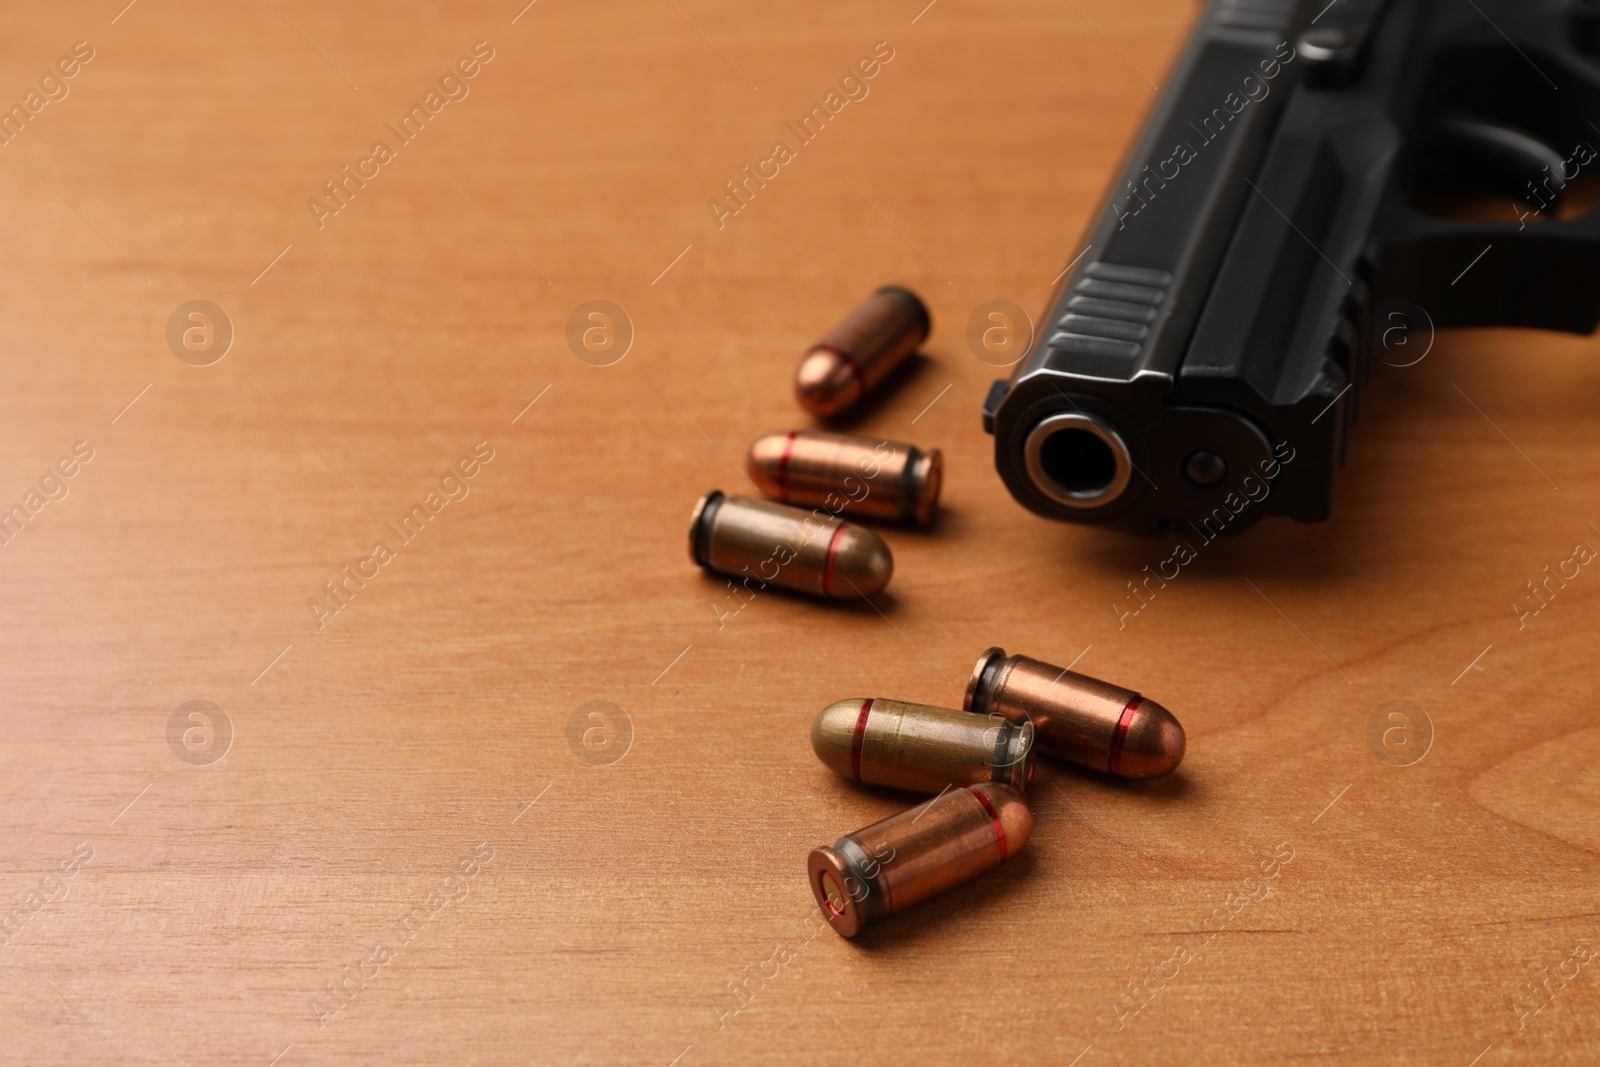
1077, 460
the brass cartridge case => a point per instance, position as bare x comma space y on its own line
861, 351
772, 544
882, 870
1078, 718
921, 748
845, 472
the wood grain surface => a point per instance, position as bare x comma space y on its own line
394, 799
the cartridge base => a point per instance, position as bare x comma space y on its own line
830, 879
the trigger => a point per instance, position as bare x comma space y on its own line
1506, 159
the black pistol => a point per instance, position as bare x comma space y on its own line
1278, 226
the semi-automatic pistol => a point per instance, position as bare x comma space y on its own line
1307, 196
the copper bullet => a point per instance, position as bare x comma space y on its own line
861, 351
845, 472
1078, 718
891, 865
921, 748
773, 544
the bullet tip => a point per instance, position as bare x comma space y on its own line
860, 563
826, 382
765, 463
1011, 809
833, 736
1153, 744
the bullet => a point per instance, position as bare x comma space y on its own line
861, 351
1078, 718
921, 748
891, 865
773, 544
845, 472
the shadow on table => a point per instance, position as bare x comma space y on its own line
1007, 892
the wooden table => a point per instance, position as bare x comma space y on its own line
394, 798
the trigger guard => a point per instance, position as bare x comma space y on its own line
1509, 160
